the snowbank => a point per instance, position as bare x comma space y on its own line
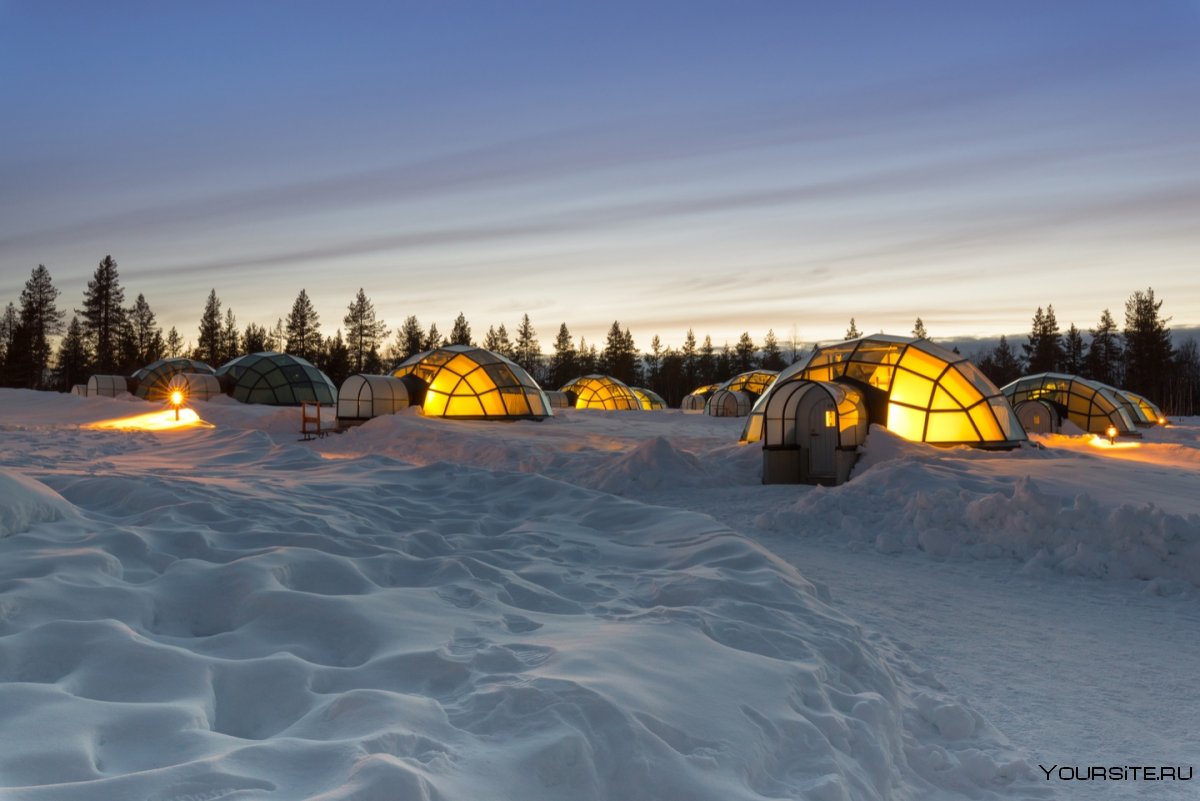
25, 502
230, 613
970, 504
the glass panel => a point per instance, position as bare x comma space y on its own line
989, 429
435, 403
972, 374
536, 404
444, 382
951, 427
960, 388
463, 406
460, 364
515, 401
942, 400
911, 389
905, 422
921, 362
1079, 405
1009, 424
478, 381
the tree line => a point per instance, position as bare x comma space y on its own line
104, 336
1140, 357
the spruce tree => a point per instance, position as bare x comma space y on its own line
231, 338
653, 363
919, 329
852, 332
40, 319
1001, 364
73, 357
772, 358
689, 362
303, 329
563, 365
726, 365
208, 343
1148, 351
174, 343
743, 353
496, 340
103, 315
1105, 353
337, 359
255, 339
1073, 351
527, 352
708, 362
1043, 352
410, 340
587, 358
617, 359
10, 347
364, 331
433, 339
145, 333
460, 334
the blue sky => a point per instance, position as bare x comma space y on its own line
727, 166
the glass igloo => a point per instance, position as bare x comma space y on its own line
276, 379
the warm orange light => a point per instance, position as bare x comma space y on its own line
153, 421
176, 398
1162, 421
1112, 434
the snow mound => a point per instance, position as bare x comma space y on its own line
358, 628
25, 502
946, 502
655, 464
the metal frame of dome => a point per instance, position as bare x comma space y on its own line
1088, 404
276, 379
752, 382
913, 387
1149, 408
651, 401
468, 382
597, 391
153, 379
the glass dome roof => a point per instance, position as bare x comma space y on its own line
276, 379
925, 392
471, 382
602, 392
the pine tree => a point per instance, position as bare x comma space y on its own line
725, 365
1105, 353
433, 339
653, 363
689, 361
410, 340
40, 319
337, 359
144, 332
1043, 353
460, 334
174, 343
617, 358
587, 358
255, 339
708, 362
1073, 351
231, 339
496, 340
1001, 364
919, 329
852, 332
208, 342
103, 315
743, 353
10, 345
772, 359
1148, 352
364, 331
527, 352
277, 336
1183, 391
73, 357
303, 329
563, 365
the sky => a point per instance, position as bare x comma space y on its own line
722, 166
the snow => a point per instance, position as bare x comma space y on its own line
602, 605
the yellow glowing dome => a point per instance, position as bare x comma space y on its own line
602, 392
915, 388
470, 382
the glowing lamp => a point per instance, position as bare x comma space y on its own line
1162, 421
176, 401
1112, 434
